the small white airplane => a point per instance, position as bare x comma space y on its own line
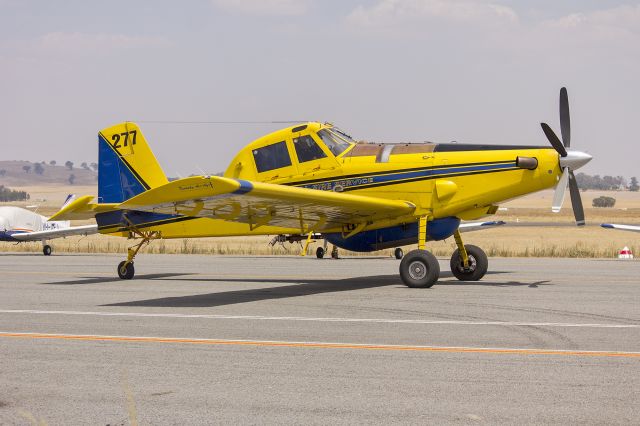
623, 227
20, 225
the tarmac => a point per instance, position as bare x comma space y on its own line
209, 340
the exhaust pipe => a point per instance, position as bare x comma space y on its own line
528, 163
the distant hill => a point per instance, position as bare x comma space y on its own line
13, 173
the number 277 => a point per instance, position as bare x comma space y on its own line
124, 138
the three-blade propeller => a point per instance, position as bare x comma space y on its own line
569, 161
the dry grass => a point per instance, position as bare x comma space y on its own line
588, 242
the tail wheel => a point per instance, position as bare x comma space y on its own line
319, 252
126, 271
46, 250
419, 269
398, 253
478, 264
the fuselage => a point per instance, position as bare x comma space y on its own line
16, 220
446, 182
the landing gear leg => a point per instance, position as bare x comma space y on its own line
334, 253
46, 249
306, 245
468, 263
126, 271
419, 268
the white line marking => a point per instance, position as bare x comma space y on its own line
311, 319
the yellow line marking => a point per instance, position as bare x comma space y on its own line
321, 345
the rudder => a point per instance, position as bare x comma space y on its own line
126, 164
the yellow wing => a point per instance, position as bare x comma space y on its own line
259, 204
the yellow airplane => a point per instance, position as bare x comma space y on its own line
314, 178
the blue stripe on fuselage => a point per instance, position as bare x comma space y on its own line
365, 180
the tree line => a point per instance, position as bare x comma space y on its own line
7, 194
606, 183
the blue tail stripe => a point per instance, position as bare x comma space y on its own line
116, 183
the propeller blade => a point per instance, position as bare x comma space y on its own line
565, 121
576, 200
553, 139
561, 188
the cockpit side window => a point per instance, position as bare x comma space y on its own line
336, 144
307, 149
271, 157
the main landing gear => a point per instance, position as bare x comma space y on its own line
420, 269
126, 270
46, 249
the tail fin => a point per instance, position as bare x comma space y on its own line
70, 198
126, 165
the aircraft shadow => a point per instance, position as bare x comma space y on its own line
116, 279
296, 288
496, 284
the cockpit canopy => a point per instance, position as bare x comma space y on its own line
278, 154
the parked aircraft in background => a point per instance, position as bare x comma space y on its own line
314, 178
623, 227
20, 225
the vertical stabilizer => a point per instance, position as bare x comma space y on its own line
126, 164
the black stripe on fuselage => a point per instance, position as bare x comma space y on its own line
456, 147
390, 172
397, 182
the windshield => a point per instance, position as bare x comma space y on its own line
335, 140
342, 134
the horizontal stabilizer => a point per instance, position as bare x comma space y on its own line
81, 209
476, 226
622, 227
56, 233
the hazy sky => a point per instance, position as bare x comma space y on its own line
385, 70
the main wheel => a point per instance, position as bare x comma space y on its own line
46, 250
478, 264
319, 252
398, 253
419, 269
126, 271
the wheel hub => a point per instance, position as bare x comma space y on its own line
417, 270
472, 265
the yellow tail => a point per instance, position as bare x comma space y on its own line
126, 164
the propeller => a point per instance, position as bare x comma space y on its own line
569, 161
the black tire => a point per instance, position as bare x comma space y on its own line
126, 271
478, 264
419, 269
319, 252
46, 250
334, 254
398, 253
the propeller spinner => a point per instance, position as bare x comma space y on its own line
570, 160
